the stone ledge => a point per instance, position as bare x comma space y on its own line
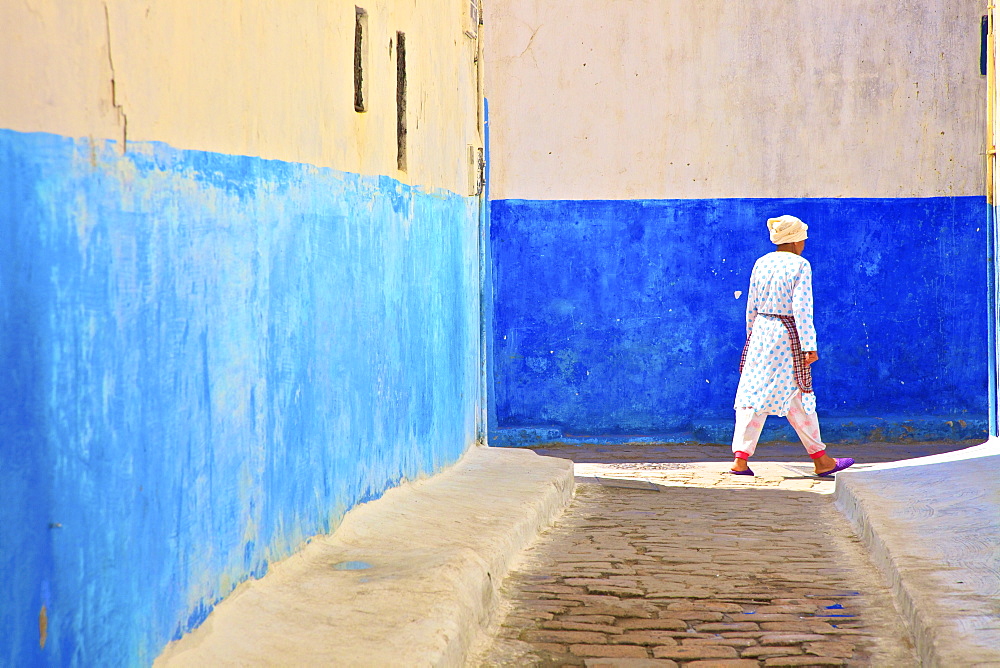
932, 527
409, 579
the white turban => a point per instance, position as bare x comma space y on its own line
787, 230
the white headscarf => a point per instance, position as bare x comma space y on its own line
787, 230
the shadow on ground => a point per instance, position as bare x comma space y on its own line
867, 453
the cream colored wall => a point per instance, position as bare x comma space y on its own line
734, 98
265, 78
992, 118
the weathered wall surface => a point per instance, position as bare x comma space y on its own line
248, 77
663, 100
224, 333
637, 150
644, 335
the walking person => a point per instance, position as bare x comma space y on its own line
775, 374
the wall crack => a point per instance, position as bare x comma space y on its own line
530, 40
119, 109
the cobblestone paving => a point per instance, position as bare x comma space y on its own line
680, 564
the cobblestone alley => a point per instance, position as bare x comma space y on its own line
672, 563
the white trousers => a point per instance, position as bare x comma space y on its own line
749, 425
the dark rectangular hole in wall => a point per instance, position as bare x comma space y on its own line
360, 27
401, 101
984, 38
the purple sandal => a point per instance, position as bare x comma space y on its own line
747, 472
841, 465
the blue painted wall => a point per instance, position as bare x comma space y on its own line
206, 360
618, 317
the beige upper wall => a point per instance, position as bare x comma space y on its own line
614, 99
266, 78
993, 119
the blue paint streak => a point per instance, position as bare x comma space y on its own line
994, 320
489, 391
208, 359
617, 317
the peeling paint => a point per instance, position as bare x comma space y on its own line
43, 627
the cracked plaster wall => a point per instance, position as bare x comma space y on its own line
240, 77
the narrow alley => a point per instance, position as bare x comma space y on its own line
412, 333
665, 564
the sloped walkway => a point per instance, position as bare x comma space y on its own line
761, 571
679, 564
929, 525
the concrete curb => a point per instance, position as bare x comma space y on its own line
438, 550
931, 526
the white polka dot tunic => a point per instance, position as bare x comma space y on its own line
781, 284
